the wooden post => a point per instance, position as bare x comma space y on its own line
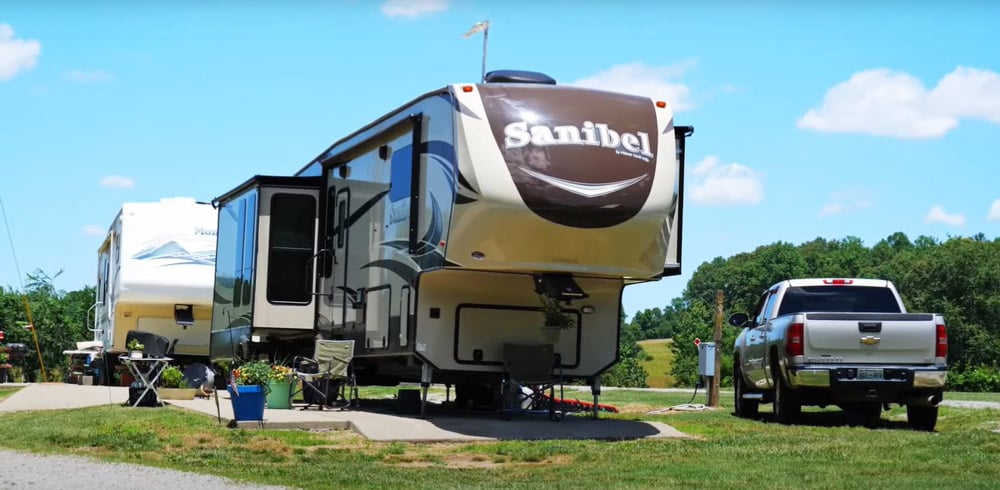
713, 394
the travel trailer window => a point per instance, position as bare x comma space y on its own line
341, 223
291, 248
241, 212
331, 226
227, 260
249, 240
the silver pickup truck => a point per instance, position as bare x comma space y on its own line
844, 342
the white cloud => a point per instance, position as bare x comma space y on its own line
937, 214
93, 230
722, 185
89, 76
16, 54
648, 81
887, 103
994, 213
117, 182
412, 8
846, 201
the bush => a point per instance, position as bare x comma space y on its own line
979, 379
172, 377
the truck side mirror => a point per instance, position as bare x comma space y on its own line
738, 319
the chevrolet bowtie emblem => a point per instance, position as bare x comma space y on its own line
870, 340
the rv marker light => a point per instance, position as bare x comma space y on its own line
661, 104
477, 255
467, 88
586, 310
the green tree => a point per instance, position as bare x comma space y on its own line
59, 321
627, 372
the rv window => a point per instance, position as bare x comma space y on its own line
249, 240
241, 211
341, 223
293, 222
331, 228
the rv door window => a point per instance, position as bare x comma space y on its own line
290, 264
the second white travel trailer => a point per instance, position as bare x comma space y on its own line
155, 273
429, 235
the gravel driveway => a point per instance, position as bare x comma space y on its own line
37, 472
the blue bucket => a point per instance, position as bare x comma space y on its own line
248, 404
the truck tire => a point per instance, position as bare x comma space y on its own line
744, 408
786, 405
922, 417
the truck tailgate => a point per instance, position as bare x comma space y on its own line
883, 338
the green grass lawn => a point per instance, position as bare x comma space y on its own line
658, 362
6, 391
727, 452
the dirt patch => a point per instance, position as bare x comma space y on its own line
449, 455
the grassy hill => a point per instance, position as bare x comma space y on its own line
657, 363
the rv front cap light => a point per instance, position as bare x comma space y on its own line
477, 255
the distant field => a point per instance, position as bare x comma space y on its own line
658, 367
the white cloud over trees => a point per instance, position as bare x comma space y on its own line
890, 103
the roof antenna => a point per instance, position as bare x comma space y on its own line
483, 26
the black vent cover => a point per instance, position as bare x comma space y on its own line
519, 76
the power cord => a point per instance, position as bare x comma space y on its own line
696, 386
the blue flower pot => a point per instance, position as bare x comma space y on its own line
248, 403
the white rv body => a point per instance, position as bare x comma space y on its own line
156, 268
436, 225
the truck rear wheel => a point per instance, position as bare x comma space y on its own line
744, 408
922, 417
786, 405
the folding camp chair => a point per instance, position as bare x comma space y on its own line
529, 371
327, 377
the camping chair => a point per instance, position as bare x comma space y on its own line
528, 372
327, 377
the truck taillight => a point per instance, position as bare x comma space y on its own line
941, 346
794, 347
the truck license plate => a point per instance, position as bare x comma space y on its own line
870, 374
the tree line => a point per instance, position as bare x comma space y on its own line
59, 320
958, 277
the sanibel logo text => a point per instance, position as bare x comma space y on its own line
520, 134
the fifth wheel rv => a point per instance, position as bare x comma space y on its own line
155, 273
428, 236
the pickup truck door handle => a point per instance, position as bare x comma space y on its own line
870, 327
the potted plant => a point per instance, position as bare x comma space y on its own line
174, 385
248, 389
135, 348
279, 387
556, 320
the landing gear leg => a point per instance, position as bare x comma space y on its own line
595, 389
426, 374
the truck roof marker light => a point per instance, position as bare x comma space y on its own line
661, 104
466, 88
838, 282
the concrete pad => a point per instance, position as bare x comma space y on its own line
372, 421
61, 396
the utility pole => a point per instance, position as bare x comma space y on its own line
713, 393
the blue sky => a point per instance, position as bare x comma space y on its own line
818, 120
